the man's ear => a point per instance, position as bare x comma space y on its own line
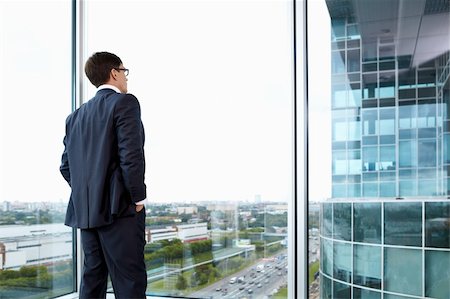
113, 74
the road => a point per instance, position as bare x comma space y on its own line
256, 284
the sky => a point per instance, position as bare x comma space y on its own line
214, 80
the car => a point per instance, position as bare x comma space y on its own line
251, 282
241, 287
233, 280
249, 291
279, 273
259, 285
218, 289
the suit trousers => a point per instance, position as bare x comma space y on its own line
117, 249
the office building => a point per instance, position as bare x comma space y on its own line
385, 231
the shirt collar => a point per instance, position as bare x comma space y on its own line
105, 86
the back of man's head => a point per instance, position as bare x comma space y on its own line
99, 66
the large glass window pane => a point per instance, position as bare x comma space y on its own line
437, 228
367, 222
367, 266
325, 287
437, 274
403, 223
408, 188
370, 122
403, 271
365, 294
370, 158
342, 261
354, 162
327, 257
426, 116
387, 158
387, 85
427, 153
408, 154
36, 248
339, 96
327, 219
342, 214
341, 291
407, 116
354, 130
216, 102
339, 162
387, 121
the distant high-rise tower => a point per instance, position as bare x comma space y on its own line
385, 233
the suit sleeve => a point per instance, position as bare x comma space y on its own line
64, 168
130, 139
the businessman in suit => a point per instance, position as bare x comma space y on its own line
103, 162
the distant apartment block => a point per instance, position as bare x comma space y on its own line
185, 232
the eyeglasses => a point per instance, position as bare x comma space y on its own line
126, 71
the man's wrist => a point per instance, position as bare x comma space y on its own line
141, 202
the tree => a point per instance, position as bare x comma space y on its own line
181, 282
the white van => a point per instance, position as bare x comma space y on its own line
260, 267
233, 280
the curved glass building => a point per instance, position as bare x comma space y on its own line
385, 233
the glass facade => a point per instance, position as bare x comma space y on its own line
384, 226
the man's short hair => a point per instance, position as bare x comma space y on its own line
99, 66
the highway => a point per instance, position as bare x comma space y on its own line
256, 284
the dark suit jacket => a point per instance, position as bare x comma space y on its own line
103, 160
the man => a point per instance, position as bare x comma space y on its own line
103, 162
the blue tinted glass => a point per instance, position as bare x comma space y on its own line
370, 158
387, 189
367, 266
342, 221
427, 187
339, 162
408, 188
447, 148
387, 121
339, 190
403, 223
437, 228
341, 291
387, 158
354, 130
326, 257
427, 153
367, 222
327, 216
403, 271
339, 130
370, 189
342, 261
370, 122
365, 294
354, 190
339, 96
338, 62
437, 274
325, 287
408, 154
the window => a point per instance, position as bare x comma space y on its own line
36, 248
214, 80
